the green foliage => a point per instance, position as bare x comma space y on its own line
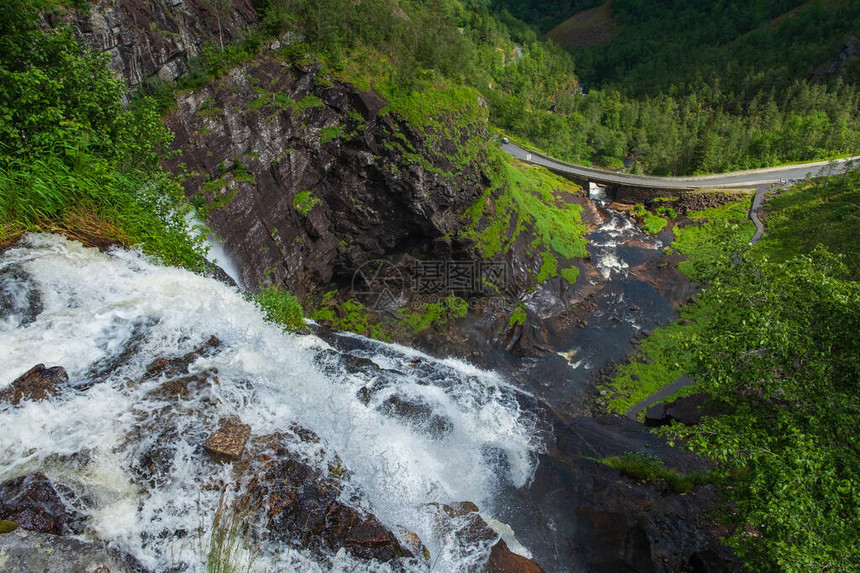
68, 149
308, 102
667, 212
350, 316
532, 200
280, 307
330, 133
570, 274
638, 210
230, 546
653, 224
432, 314
780, 355
716, 234
821, 211
304, 201
661, 359
649, 468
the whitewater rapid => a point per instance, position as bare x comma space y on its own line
105, 316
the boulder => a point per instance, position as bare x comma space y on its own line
302, 506
26, 551
33, 503
228, 441
687, 410
418, 414
37, 383
503, 560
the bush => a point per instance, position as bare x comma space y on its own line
281, 307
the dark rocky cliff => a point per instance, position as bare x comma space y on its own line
306, 179
157, 38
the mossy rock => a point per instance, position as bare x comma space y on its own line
7, 526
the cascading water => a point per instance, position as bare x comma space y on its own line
624, 303
105, 317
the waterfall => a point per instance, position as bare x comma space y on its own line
105, 316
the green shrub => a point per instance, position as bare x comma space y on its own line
281, 307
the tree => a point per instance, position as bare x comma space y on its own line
780, 357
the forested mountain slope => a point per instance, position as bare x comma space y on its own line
687, 87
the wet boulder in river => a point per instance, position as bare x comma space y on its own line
34, 504
37, 383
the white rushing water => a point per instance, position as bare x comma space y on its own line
105, 317
616, 230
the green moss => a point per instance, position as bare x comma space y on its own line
433, 314
529, 200
7, 526
351, 316
518, 317
648, 468
662, 358
308, 102
697, 241
549, 268
304, 202
570, 274
330, 133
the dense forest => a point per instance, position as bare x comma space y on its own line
695, 87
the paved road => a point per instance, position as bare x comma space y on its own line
753, 178
754, 210
658, 396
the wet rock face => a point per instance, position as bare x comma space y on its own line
228, 442
418, 414
616, 541
503, 560
302, 507
38, 383
306, 180
26, 551
580, 515
33, 503
19, 297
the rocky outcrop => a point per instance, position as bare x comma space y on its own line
603, 522
682, 200
503, 560
25, 551
158, 38
687, 410
305, 180
301, 506
38, 383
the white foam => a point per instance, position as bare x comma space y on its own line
96, 305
